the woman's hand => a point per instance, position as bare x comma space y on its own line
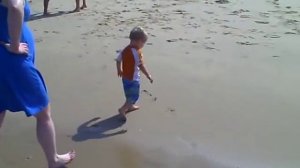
21, 49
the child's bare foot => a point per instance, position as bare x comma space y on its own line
122, 114
83, 7
63, 160
133, 108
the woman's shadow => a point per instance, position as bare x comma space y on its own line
95, 129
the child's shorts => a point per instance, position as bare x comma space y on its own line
132, 90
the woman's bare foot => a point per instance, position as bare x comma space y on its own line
63, 160
76, 10
83, 7
46, 14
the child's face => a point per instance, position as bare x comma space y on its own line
140, 43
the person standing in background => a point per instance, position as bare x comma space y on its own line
46, 4
78, 8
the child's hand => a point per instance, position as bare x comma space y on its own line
120, 73
150, 79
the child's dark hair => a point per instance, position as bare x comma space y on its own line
138, 33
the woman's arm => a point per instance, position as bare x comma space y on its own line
15, 21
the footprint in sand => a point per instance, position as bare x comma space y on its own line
272, 36
179, 11
28, 158
264, 14
228, 27
290, 12
212, 32
167, 28
210, 48
246, 43
171, 109
38, 40
290, 33
262, 22
172, 40
227, 33
147, 92
102, 24
206, 2
222, 1
291, 21
56, 32
239, 11
245, 16
209, 12
150, 95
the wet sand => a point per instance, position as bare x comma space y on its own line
225, 95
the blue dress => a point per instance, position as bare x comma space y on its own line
22, 87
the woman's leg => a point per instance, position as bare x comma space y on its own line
46, 4
77, 8
46, 137
2, 115
84, 4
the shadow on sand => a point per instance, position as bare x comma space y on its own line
95, 129
39, 16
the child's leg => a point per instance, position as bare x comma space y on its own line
132, 96
133, 108
84, 4
127, 105
123, 110
131, 89
135, 96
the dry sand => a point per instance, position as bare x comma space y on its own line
226, 91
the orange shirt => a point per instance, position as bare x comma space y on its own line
131, 59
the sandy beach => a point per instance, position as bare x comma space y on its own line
226, 91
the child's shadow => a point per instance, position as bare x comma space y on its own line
99, 129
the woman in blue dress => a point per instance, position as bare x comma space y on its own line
21, 85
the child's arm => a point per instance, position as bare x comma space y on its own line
119, 69
118, 64
145, 72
